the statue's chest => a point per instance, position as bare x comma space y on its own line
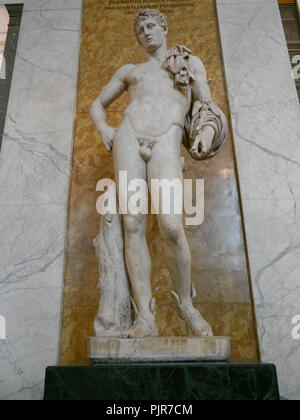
145, 75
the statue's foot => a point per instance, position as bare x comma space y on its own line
196, 324
107, 329
142, 327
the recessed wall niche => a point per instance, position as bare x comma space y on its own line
10, 21
219, 271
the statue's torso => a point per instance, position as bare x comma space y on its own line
155, 103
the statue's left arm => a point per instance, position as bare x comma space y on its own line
208, 130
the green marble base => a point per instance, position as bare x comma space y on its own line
168, 381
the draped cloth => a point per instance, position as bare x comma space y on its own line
203, 112
177, 63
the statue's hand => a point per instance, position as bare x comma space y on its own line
108, 134
202, 143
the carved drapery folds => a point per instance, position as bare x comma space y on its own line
206, 113
203, 113
177, 63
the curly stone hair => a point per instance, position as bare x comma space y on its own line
145, 14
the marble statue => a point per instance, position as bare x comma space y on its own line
170, 104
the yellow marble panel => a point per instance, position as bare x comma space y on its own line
219, 268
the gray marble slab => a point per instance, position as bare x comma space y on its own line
266, 125
35, 165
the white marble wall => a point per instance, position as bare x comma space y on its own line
266, 124
35, 163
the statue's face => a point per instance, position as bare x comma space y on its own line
150, 34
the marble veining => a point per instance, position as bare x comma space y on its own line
265, 117
171, 381
35, 165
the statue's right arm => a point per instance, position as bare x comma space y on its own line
110, 92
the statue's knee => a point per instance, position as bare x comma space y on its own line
134, 224
171, 232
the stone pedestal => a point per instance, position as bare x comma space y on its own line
162, 381
158, 349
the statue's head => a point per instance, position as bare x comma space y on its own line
151, 29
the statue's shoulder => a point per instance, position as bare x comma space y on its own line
127, 67
124, 71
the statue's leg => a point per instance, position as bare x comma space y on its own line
166, 164
126, 158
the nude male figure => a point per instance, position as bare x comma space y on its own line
148, 145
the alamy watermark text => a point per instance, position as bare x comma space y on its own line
168, 196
